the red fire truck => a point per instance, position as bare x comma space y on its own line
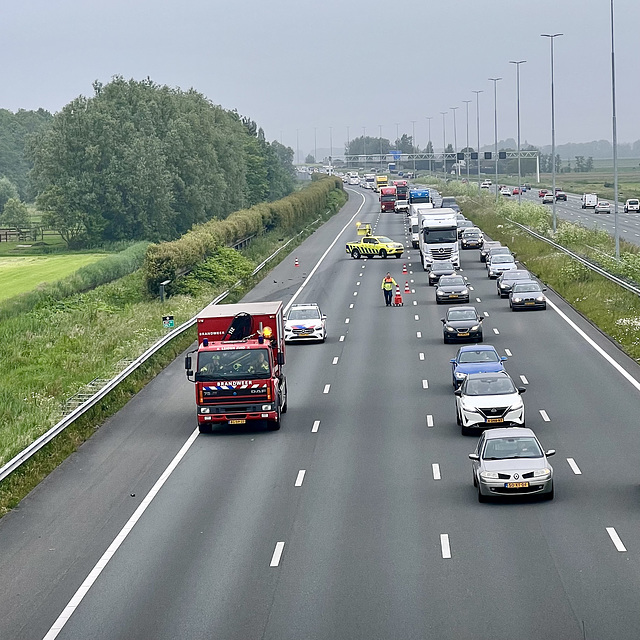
387, 198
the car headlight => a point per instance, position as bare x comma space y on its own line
489, 475
503, 285
541, 473
540, 299
475, 327
517, 300
447, 328
267, 407
464, 292
471, 409
460, 376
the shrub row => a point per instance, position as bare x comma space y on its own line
168, 260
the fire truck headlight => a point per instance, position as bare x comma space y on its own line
267, 407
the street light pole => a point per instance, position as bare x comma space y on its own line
455, 140
495, 125
315, 144
348, 144
467, 161
518, 63
380, 138
429, 119
413, 145
364, 146
444, 146
615, 141
478, 131
330, 150
552, 37
297, 146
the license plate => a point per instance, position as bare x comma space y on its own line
462, 335
516, 485
237, 421
453, 295
494, 420
530, 303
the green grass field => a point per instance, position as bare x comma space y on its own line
24, 273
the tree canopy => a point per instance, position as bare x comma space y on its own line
143, 161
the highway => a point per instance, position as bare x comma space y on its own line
358, 519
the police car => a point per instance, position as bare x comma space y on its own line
305, 322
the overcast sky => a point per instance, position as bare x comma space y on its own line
296, 65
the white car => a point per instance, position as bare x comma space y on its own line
486, 400
505, 191
499, 264
354, 180
633, 204
305, 322
486, 184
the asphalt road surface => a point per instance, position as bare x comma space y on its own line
358, 519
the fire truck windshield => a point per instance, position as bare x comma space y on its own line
236, 364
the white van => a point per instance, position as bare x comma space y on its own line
589, 200
633, 204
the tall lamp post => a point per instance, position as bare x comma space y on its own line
478, 131
518, 63
429, 119
297, 146
552, 37
380, 137
615, 140
465, 157
444, 146
331, 150
495, 125
455, 141
364, 145
315, 144
348, 144
413, 145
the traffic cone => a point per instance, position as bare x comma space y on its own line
297, 264
397, 299
404, 268
406, 287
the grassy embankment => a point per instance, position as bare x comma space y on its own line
52, 346
610, 307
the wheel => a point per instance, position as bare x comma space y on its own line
285, 405
481, 498
204, 427
480, 338
458, 421
355, 254
398, 255
475, 480
383, 253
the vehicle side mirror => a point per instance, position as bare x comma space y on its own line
458, 392
324, 316
187, 362
280, 358
521, 390
474, 456
442, 320
544, 288
503, 358
452, 361
551, 452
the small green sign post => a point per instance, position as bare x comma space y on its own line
167, 322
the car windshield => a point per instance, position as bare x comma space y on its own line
309, 313
471, 232
489, 386
634, 202
443, 266
448, 281
524, 288
603, 204
516, 275
461, 314
499, 259
508, 448
237, 364
384, 239
483, 355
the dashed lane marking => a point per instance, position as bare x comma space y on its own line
326, 388
341, 339
508, 353
418, 334
574, 467
429, 420
300, 478
478, 300
421, 356
615, 538
277, 554
524, 380
316, 426
496, 331
545, 415
346, 320
335, 360
435, 469
445, 545
425, 384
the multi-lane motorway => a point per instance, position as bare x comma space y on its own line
358, 519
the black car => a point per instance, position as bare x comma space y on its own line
462, 323
506, 280
462, 225
488, 245
449, 202
561, 195
440, 268
452, 289
527, 295
472, 238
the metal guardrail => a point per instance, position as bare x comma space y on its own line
584, 261
110, 385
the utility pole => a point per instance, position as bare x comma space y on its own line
478, 131
444, 145
429, 119
455, 140
468, 152
413, 145
518, 63
495, 115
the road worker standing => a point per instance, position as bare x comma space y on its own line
387, 287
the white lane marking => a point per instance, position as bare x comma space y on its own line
445, 546
429, 420
413, 290
496, 331
524, 380
324, 255
574, 467
411, 272
615, 538
82, 591
421, 356
545, 415
425, 384
435, 469
417, 317
316, 426
277, 554
486, 314
346, 320
618, 367
360, 275
508, 353
418, 334
358, 283
335, 360
411, 281
471, 288
409, 264
300, 478
478, 300
355, 293
341, 339
415, 303
326, 388
351, 306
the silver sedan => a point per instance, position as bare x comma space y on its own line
510, 462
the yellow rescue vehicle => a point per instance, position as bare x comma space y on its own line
370, 245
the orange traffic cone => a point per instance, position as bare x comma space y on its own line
404, 268
397, 298
296, 263
406, 287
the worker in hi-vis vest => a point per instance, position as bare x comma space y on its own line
387, 287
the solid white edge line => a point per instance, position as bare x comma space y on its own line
300, 477
435, 469
615, 538
545, 415
326, 388
598, 348
316, 426
574, 467
324, 255
429, 420
118, 540
277, 554
445, 545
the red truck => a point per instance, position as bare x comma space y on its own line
402, 189
388, 198
238, 372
